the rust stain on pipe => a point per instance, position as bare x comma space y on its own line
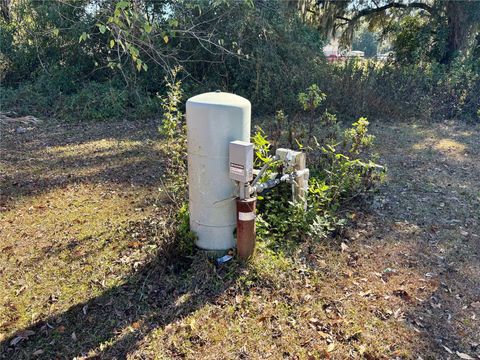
246, 227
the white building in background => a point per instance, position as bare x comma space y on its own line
333, 52
331, 49
355, 54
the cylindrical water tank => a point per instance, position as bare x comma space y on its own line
213, 120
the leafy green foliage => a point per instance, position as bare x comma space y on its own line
366, 41
357, 138
93, 101
173, 127
185, 238
341, 169
127, 28
262, 147
388, 92
264, 43
311, 99
412, 41
267, 52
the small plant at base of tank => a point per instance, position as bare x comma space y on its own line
173, 128
172, 120
184, 237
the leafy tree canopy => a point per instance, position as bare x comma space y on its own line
448, 27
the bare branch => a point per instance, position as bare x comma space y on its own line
370, 11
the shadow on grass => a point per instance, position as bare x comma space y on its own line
110, 326
445, 317
160, 292
52, 157
171, 287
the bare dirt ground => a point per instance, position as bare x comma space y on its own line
85, 275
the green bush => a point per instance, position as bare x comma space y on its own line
173, 128
456, 90
341, 168
95, 102
392, 91
55, 97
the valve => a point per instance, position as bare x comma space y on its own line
293, 171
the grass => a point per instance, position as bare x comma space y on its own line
89, 268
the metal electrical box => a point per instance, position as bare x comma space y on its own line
241, 161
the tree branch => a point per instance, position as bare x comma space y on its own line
344, 18
369, 11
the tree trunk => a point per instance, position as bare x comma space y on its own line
457, 29
476, 49
5, 10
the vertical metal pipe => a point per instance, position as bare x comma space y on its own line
246, 227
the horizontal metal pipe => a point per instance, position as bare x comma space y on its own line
263, 169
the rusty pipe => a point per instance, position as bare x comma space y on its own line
246, 227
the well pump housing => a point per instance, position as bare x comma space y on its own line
214, 119
222, 188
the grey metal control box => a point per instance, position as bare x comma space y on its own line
241, 161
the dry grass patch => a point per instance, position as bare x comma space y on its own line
88, 271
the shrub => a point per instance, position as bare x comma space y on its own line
55, 98
96, 102
341, 169
173, 128
265, 43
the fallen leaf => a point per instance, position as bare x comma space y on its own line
307, 297
38, 352
331, 347
475, 305
322, 263
136, 325
61, 329
323, 335
398, 313
16, 340
344, 246
464, 356
361, 349
447, 349
401, 293
365, 293
134, 244
23, 335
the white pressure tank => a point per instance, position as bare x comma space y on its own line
213, 120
